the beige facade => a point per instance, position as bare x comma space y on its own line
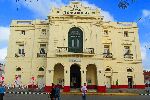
74, 46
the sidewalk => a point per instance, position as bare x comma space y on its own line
110, 92
79, 93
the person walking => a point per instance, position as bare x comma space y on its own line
2, 90
84, 91
53, 91
57, 92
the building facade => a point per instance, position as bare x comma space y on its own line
72, 47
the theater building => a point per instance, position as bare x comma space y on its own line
72, 47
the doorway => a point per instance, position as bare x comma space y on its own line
75, 76
108, 81
40, 81
130, 82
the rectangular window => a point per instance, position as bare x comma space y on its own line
106, 48
42, 48
126, 34
44, 31
127, 49
93, 12
42, 51
23, 32
21, 49
105, 32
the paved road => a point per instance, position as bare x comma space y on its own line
72, 97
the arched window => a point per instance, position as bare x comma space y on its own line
18, 69
129, 70
41, 69
75, 40
108, 69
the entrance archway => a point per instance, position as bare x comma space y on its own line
91, 76
75, 76
75, 40
108, 74
58, 74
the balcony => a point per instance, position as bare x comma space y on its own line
128, 56
107, 55
64, 51
89, 50
42, 55
19, 55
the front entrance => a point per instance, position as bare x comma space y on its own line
75, 76
40, 81
91, 76
108, 81
58, 74
130, 82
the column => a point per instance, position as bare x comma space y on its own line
100, 81
67, 80
83, 75
49, 80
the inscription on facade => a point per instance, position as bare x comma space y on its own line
74, 60
76, 9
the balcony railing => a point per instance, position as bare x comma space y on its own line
107, 55
19, 55
42, 55
129, 56
64, 50
89, 50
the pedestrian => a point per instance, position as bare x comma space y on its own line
52, 93
2, 90
57, 92
84, 91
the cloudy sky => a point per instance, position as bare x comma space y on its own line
31, 9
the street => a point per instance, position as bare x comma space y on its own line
72, 97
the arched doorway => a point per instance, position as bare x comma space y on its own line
108, 74
75, 76
75, 40
40, 77
58, 74
91, 76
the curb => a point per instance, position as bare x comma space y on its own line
26, 93
103, 94
79, 93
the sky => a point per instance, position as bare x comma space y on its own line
39, 10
